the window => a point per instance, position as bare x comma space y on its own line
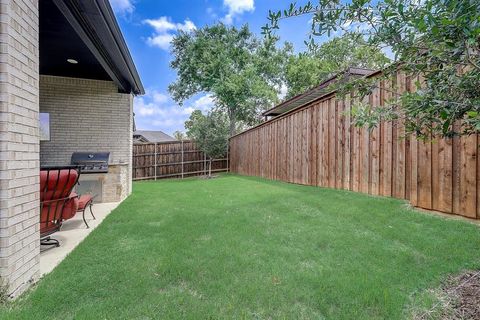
44, 126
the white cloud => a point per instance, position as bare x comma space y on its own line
350, 26
142, 108
388, 52
204, 103
156, 111
160, 40
122, 6
165, 30
187, 26
237, 7
162, 24
283, 91
159, 97
165, 24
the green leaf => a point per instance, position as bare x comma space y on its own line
472, 114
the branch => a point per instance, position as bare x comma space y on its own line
469, 58
316, 9
369, 21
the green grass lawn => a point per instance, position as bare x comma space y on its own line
238, 247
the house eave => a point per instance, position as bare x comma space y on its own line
95, 23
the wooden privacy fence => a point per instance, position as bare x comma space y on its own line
317, 144
177, 159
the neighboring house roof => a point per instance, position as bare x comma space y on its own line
96, 43
314, 93
307, 102
152, 136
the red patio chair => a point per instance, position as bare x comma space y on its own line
57, 202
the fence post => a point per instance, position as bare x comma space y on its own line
228, 159
182, 159
155, 162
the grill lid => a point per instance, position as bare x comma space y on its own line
90, 157
91, 161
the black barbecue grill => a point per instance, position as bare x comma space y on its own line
91, 162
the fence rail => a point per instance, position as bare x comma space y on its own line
176, 159
318, 145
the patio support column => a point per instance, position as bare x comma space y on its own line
130, 145
19, 144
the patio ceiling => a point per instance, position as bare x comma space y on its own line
87, 32
59, 42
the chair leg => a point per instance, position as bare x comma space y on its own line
84, 220
49, 242
91, 212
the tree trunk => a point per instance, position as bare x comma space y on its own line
231, 118
210, 168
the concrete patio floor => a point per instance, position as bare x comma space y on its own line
72, 233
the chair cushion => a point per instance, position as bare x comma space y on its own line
71, 207
56, 184
84, 200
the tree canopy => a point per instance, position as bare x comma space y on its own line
210, 132
436, 40
308, 69
179, 135
241, 72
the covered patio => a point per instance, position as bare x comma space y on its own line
87, 81
68, 84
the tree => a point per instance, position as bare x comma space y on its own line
436, 40
179, 135
210, 132
240, 71
194, 124
310, 68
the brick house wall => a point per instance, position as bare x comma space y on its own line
19, 145
87, 115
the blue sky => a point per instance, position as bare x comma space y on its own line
149, 25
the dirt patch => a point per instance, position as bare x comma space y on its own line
213, 176
458, 298
464, 291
